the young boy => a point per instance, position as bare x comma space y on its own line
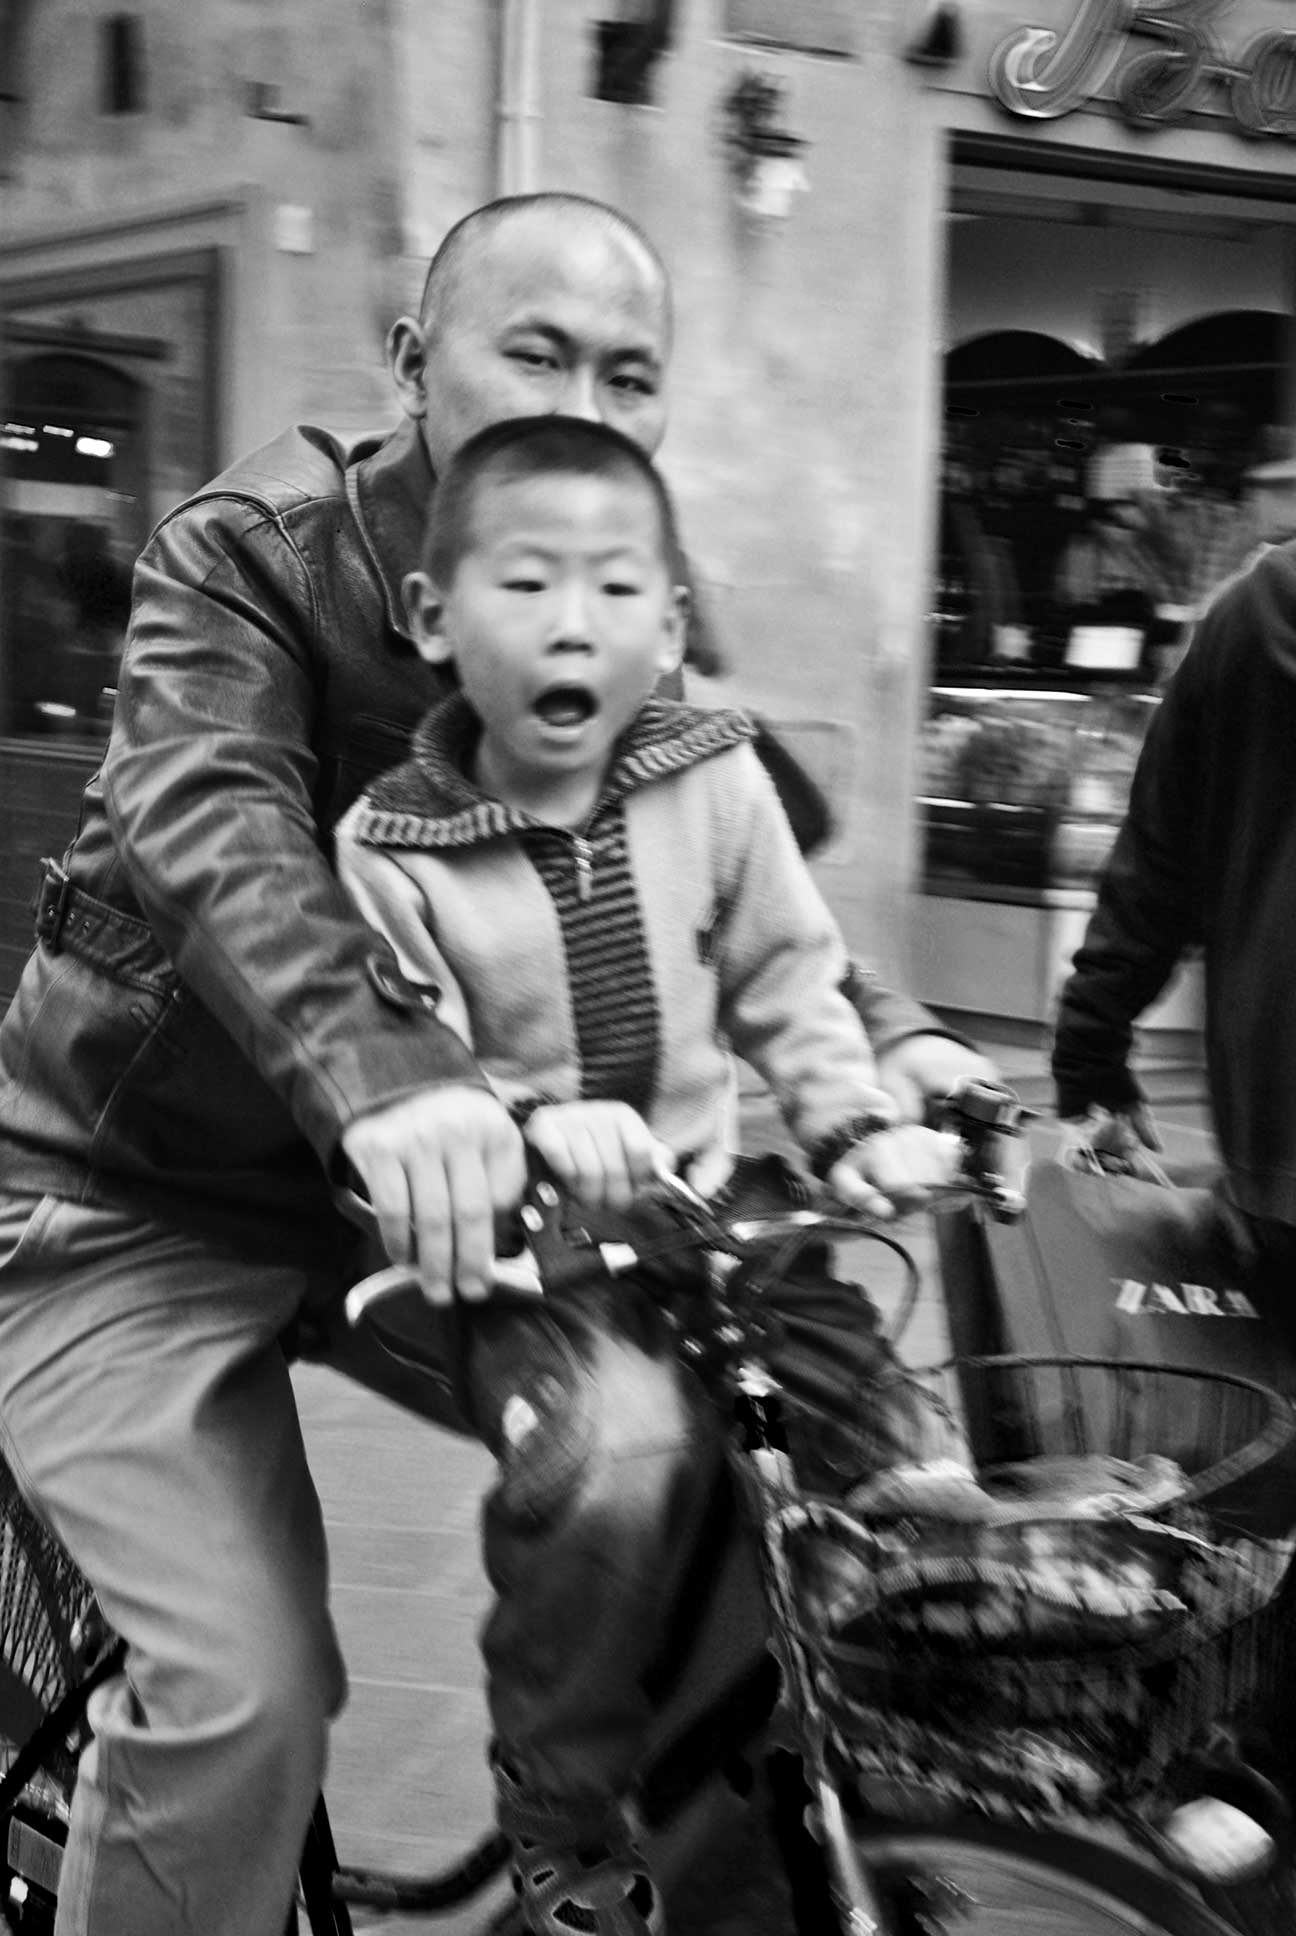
603, 892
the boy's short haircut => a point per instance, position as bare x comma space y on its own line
525, 447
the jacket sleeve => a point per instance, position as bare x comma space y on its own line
1144, 917
782, 960
208, 788
890, 1017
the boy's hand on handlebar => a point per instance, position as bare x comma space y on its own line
438, 1167
895, 1169
603, 1152
922, 1069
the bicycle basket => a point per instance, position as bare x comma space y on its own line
1058, 1632
42, 1599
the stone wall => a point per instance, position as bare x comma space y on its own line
801, 442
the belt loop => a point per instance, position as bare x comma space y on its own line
52, 902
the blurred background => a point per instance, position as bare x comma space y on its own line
985, 377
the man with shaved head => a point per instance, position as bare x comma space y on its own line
207, 1041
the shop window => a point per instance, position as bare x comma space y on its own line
1105, 414
1082, 491
70, 437
105, 422
122, 64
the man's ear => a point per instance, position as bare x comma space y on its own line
407, 360
425, 616
671, 656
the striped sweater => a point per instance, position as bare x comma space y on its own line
621, 960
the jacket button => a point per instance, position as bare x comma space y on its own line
396, 989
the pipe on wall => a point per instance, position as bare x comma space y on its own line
517, 166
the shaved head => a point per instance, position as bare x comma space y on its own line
469, 243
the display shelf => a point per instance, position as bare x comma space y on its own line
1024, 785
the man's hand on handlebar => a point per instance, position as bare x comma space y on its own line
438, 1168
603, 1152
895, 1169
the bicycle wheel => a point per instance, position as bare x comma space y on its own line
986, 1879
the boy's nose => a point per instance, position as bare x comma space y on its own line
571, 628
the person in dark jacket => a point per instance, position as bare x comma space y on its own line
1206, 858
207, 1039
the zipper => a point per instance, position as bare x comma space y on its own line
583, 855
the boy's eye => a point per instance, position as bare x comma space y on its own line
523, 584
621, 588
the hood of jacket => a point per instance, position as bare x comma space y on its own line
431, 802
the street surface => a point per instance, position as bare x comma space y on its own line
407, 1786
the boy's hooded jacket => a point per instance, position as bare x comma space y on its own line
1207, 858
618, 960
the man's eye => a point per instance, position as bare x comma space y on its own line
634, 383
534, 359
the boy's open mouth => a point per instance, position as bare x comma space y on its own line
566, 706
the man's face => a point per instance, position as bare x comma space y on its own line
549, 314
560, 619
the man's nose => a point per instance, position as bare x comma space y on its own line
581, 395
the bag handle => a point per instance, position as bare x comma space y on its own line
1081, 1155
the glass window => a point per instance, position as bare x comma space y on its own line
106, 402
1118, 363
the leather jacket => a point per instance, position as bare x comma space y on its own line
205, 1013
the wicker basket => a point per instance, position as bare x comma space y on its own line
1053, 1654
43, 1601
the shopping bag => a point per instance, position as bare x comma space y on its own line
1123, 1268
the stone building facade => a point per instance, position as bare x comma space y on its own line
231, 202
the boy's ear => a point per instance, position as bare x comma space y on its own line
671, 656
425, 616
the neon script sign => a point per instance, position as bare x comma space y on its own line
1043, 73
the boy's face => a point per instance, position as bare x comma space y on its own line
560, 619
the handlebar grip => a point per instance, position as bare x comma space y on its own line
510, 1237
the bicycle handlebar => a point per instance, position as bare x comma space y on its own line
980, 1113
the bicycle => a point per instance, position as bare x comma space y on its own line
863, 1854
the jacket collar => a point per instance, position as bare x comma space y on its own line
389, 484
430, 801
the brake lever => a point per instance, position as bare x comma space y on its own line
517, 1273
980, 1112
